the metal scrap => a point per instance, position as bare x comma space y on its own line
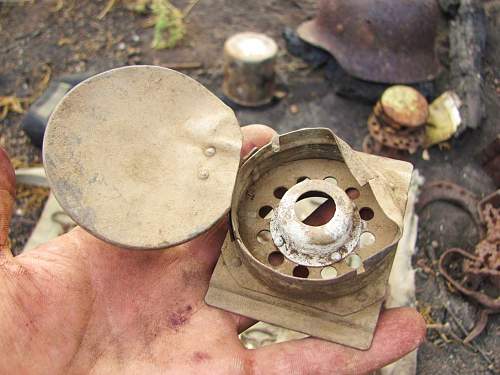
482, 266
396, 125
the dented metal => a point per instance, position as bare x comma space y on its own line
325, 280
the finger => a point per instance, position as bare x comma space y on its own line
399, 331
7, 194
243, 323
255, 136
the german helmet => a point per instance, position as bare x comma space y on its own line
378, 40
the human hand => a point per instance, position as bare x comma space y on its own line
78, 305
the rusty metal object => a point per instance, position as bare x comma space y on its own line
131, 158
404, 106
382, 41
452, 193
484, 263
397, 124
249, 76
284, 265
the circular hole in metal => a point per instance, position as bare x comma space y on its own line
366, 213
264, 236
303, 178
366, 239
301, 271
280, 191
275, 258
352, 193
331, 179
315, 208
265, 211
354, 261
328, 272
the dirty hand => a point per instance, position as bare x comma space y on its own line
79, 305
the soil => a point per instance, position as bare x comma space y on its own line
38, 42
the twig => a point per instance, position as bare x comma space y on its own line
184, 65
189, 8
107, 8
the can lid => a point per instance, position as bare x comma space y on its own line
142, 157
405, 106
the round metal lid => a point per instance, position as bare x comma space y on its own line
405, 105
142, 157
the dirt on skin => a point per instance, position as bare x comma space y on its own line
39, 43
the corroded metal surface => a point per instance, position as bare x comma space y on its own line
481, 267
397, 124
382, 41
404, 106
133, 153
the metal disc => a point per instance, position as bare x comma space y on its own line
405, 106
142, 157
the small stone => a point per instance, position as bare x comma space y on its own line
121, 46
425, 155
294, 108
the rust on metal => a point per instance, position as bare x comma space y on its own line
382, 41
484, 264
397, 124
405, 106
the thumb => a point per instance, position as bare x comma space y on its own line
7, 194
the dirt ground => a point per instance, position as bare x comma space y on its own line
39, 43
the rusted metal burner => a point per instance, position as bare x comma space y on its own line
397, 124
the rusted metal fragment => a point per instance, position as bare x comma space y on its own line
449, 192
481, 267
396, 125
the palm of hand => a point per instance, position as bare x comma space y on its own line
79, 305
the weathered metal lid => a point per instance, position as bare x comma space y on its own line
405, 106
143, 157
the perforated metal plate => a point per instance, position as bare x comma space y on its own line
143, 157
